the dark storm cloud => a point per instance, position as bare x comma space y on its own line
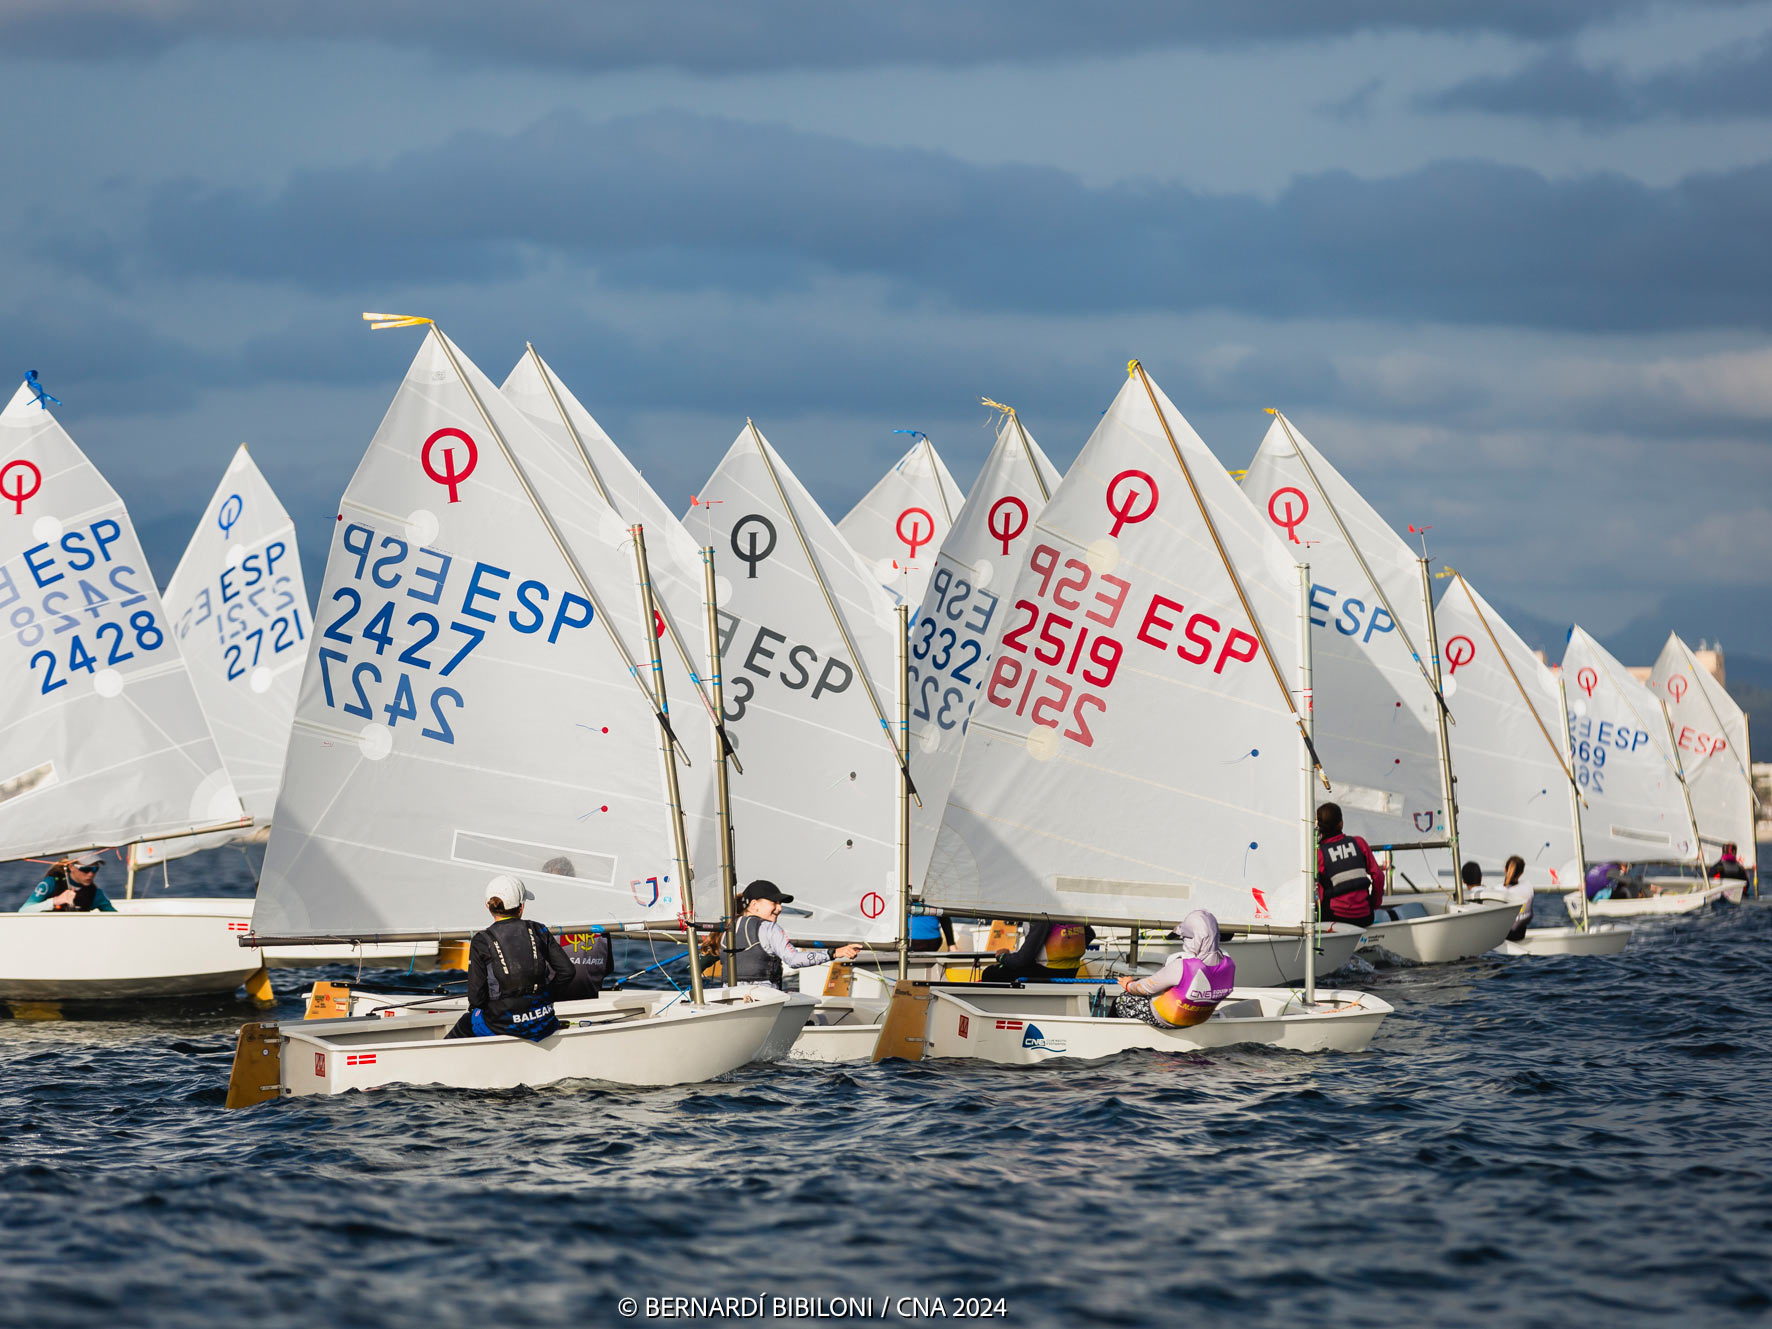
676, 201
718, 36
1733, 82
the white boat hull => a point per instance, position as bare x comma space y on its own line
1040, 1022
1600, 939
1446, 933
1669, 902
148, 948
792, 1009
655, 1039
841, 1029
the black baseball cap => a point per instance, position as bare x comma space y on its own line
765, 890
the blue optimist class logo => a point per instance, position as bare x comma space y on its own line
1033, 1038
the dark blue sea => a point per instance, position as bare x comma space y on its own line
1528, 1142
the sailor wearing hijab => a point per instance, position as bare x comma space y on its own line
1188, 989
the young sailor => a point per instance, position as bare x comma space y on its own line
1188, 989
1511, 889
1350, 883
1606, 880
71, 886
1728, 867
1050, 950
514, 968
591, 952
762, 950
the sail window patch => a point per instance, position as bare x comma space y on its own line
528, 858
1642, 837
1369, 800
1166, 890
28, 782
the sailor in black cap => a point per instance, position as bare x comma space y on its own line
761, 950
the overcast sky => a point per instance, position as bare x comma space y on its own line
1506, 262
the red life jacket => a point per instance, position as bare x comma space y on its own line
1343, 881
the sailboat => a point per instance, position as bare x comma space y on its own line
901, 522
241, 614
1710, 731
104, 741
484, 696
1380, 718
1141, 750
1635, 807
1517, 789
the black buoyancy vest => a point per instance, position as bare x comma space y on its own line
519, 972
1344, 868
750, 962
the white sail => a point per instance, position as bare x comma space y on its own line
675, 562
1374, 720
816, 809
1635, 810
1711, 733
903, 519
1134, 755
465, 711
239, 608
102, 739
961, 617
1507, 745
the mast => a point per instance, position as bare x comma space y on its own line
861, 666
1309, 839
722, 749
679, 838
1575, 806
904, 790
1685, 789
1447, 781
1224, 558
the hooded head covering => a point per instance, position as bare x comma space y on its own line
1199, 937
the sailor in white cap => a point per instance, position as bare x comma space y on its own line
514, 969
71, 887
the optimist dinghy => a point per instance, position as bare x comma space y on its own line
102, 738
1517, 788
474, 705
1140, 752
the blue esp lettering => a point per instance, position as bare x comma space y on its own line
524, 592
567, 600
360, 550
436, 576
476, 591
1320, 606
38, 569
74, 546
396, 558
274, 551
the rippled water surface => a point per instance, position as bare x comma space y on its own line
1529, 1141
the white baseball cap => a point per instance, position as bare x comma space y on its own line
507, 893
90, 860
